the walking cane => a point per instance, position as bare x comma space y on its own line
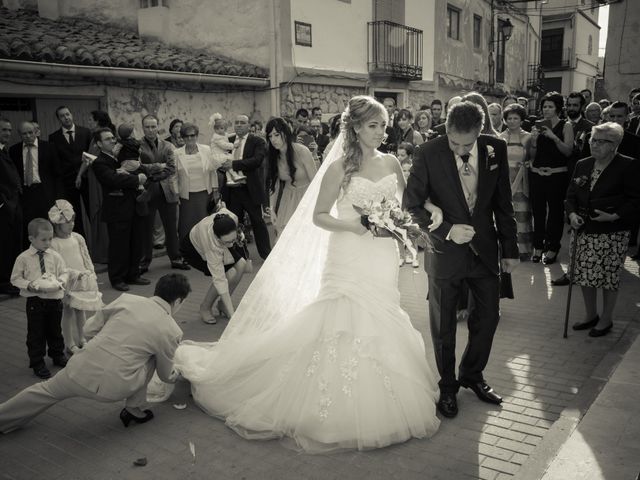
572, 266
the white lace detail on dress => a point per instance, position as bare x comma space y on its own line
362, 190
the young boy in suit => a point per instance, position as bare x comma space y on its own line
40, 274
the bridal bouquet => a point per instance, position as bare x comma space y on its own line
385, 218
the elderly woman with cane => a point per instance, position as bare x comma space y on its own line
602, 200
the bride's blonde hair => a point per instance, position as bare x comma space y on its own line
360, 110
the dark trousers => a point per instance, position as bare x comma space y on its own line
43, 329
10, 242
125, 248
77, 198
36, 202
169, 216
239, 201
444, 295
547, 206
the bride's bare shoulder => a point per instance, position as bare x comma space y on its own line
336, 170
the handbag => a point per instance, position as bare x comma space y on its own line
506, 285
606, 204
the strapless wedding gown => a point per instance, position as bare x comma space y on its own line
348, 371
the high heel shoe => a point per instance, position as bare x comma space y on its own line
127, 417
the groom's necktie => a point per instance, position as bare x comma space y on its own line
469, 180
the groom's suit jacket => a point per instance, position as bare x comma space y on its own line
128, 339
435, 175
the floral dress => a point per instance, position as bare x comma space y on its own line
600, 255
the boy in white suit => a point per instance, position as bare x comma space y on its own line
128, 340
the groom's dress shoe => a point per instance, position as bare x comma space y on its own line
483, 391
586, 325
561, 282
448, 405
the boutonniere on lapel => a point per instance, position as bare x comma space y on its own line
491, 154
581, 181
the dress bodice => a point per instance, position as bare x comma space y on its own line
361, 191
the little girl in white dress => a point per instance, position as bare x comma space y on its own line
82, 294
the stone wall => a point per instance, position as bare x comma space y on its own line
417, 98
131, 104
331, 98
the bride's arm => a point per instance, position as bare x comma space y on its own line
329, 190
397, 169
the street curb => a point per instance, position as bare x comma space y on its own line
538, 462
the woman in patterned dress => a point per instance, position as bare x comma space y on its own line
602, 201
517, 151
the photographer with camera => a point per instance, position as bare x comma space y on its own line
550, 148
602, 201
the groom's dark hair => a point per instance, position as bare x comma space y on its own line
465, 117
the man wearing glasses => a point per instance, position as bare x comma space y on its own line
126, 228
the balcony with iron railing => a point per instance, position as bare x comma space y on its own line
556, 59
535, 77
394, 50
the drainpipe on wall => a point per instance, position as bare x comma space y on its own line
274, 64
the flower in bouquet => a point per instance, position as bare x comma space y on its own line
385, 218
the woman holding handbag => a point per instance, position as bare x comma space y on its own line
602, 200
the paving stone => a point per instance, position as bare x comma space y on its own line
532, 366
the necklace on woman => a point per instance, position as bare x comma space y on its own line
191, 150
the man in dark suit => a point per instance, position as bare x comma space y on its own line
70, 140
126, 228
581, 128
581, 134
467, 175
441, 129
247, 194
163, 191
322, 140
37, 164
10, 212
630, 146
390, 142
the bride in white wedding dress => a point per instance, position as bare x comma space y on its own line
319, 352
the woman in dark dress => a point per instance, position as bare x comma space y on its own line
603, 200
404, 128
550, 147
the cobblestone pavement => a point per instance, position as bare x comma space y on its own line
537, 371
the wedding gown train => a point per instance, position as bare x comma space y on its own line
347, 371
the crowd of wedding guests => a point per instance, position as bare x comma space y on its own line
96, 194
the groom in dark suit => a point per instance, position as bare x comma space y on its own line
467, 175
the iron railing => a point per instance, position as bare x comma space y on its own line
394, 50
535, 77
559, 58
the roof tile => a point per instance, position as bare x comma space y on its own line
78, 41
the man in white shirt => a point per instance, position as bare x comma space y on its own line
38, 165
